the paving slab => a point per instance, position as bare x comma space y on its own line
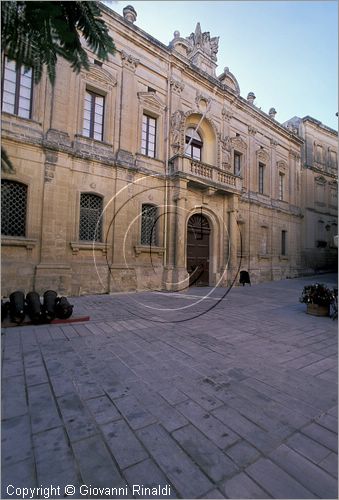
237, 402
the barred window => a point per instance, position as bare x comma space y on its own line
17, 89
13, 208
90, 220
149, 225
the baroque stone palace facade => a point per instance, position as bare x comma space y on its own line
151, 171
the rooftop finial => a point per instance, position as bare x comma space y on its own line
130, 13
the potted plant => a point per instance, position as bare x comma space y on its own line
318, 299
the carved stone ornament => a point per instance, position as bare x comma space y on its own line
100, 76
202, 102
177, 86
274, 143
262, 155
252, 130
239, 144
294, 154
128, 61
227, 115
226, 148
281, 165
204, 42
151, 101
176, 124
320, 180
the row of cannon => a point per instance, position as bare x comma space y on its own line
52, 307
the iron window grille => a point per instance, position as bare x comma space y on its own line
94, 116
148, 136
193, 144
149, 225
13, 208
17, 88
90, 227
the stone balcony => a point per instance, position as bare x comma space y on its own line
204, 174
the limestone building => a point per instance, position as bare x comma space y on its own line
319, 157
151, 171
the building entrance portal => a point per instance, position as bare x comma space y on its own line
198, 250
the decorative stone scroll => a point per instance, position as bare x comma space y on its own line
239, 144
177, 86
226, 114
252, 130
262, 155
129, 61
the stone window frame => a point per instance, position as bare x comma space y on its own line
320, 182
151, 105
77, 244
148, 151
101, 82
12, 212
101, 198
194, 142
282, 173
238, 146
263, 159
92, 123
283, 243
143, 222
17, 90
32, 213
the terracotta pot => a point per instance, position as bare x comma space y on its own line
317, 310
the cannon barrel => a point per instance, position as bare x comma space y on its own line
17, 307
49, 303
63, 308
34, 307
4, 309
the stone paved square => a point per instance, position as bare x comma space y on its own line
194, 396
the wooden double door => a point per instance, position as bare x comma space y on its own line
198, 250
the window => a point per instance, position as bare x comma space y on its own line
237, 163
90, 220
193, 144
17, 89
261, 178
281, 185
13, 208
264, 240
94, 115
148, 225
149, 126
283, 242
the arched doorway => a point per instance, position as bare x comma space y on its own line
198, 250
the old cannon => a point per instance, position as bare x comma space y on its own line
49, 303
63, 309
17, 307
34, 307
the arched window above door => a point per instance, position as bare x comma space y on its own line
193, 144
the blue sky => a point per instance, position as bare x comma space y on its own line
286, 52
